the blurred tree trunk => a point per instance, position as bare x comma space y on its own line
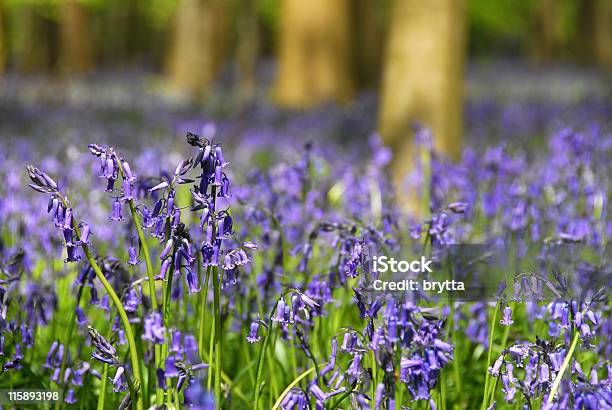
314, 59
76, 51
2, 40
247, 50
595, 32
423, 78
200, 45
603, 33
369, 33
544, 29
32, 44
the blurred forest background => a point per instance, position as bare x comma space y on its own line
410, 53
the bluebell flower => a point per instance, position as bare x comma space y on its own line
354, 369
116, 215
295, 399
85, 233
127, 194
50, 355
252, 337
154, 330
279, 313
494, 370
81, 318
175, 347
103, 350
507, 317
70, 399
161, 378
133, 254
197, 398
164, 269
171, 370
117, 380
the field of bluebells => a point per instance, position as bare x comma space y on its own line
158, 254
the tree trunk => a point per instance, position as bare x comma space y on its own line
423, 78
314, 59
247, 50
199, 45
2, 40
370, 22
544, 28
32, 48
76, 53
594, 43
603, 33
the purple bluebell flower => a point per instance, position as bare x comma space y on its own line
51, 354
191, 349
117, 380
81, 318
507, 318
72, 254
133, 254
85, 233
252, 337
196, 397
175, 346
280, 312
171, 370
295, 399
494, 370
154, 330
127, 194
354, 369
103, 350
78, 374
70, 399
116, 215
164, 269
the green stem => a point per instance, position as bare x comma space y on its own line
211, 346
218, 335
262, 355
291, 386
68, 340
341, 399
203, 302
129, 334
443, 391
146, 254
273, 363
104, 381
568, 358
456, 354
489, 354
102, 396
159, 393
503, 345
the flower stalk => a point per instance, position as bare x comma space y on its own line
564, 366
159, 393
218, 335
129, 333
